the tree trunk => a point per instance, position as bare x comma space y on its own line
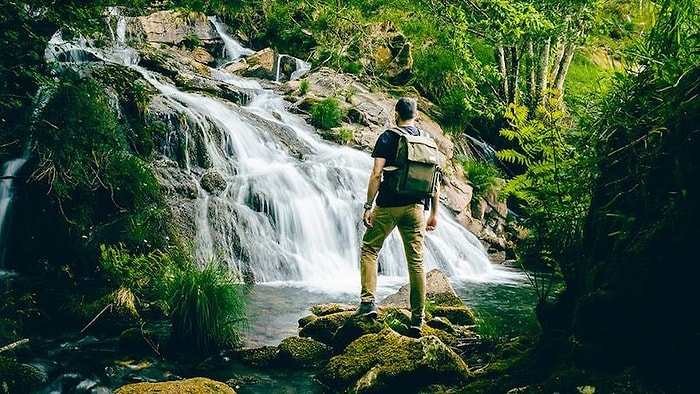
501, 61
554, 70
531, 84
564, 68
544, 68
513, 74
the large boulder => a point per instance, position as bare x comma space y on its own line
173, 27
390, 362
438, 291
189, 386
303, 352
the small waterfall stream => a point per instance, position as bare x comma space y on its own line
9, 171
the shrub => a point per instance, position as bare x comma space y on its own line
327, 113
304, 87
191, 41
483, 176
205, 309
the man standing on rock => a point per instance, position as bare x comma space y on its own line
393, 210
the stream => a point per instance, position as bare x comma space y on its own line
83, 363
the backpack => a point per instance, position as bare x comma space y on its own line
417, 173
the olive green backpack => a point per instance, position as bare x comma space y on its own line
417, 172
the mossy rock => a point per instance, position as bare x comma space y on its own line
303, 352
189, 386
19, 378
323, 328
264, 356
460, 315
302, 322
390, 362
446, 338
328, 309
354, 328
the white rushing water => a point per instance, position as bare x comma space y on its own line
287, 216
9, 171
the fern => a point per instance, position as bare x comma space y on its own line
512, 156
552, 190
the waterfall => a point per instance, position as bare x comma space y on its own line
233, 50
301, 68
9, 171
291, 209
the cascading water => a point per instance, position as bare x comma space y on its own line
9, 171
233, 50
288, 216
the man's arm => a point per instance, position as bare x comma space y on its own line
375, 178
431, 223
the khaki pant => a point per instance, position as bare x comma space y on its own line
410, 221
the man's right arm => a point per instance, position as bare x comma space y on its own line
375, 178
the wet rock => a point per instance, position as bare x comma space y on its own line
190, 386
303, 352
389, 362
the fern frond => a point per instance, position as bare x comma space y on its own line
512, 156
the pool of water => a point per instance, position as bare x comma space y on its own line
83, 363
274, 310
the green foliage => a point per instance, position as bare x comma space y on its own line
647, 141
327, 114
15, 309
145, 276
488, 327
206, 307
134, 96
484, 177
73, 145
346, 136
621, 24
303, 87
586, 81
191, 41
106, 192
554, 190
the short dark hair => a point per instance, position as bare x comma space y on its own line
406, 108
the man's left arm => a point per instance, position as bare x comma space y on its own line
432, 222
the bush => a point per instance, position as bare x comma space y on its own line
304, 87
483, 176
205, 309
327, 113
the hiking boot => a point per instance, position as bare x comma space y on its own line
414, 332
366, 309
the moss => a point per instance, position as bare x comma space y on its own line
461, 315
303, 352
306, 320
445, 337
388, 360
354, 328
323, 328
264, 356
190, 386
327, 309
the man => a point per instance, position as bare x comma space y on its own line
392, 210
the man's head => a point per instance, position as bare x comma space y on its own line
406, 108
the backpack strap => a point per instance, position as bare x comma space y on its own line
403, 132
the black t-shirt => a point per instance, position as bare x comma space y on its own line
385, 147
